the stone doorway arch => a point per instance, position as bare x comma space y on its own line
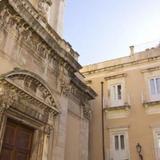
26, 98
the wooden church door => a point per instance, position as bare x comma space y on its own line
17, 142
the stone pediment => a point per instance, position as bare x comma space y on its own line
27, 93
32, 84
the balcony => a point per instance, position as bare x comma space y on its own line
151, 103
124, 103
124, 106
117, 109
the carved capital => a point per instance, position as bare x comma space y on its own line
48, 129
3, 108
65, 88
64, 82
86, 112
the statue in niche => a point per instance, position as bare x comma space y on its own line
43, 6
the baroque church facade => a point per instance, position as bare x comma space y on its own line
44, 102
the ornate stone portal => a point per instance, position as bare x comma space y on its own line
25, 96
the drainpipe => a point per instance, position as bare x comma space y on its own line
103, 142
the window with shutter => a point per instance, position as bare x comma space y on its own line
154, 88
116, 95
119, 144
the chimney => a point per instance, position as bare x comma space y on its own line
131, 50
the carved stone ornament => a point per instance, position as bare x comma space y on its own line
64, 81
43, 6
7, 98
86, 111
33, 84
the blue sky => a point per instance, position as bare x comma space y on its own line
100, 30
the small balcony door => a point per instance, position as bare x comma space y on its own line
157, 143
116, 98
119, 146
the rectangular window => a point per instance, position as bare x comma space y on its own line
158, 85
116, 142
122, 141
119, 144
152, 86
119, 91
156, 133
116, 94
155, 87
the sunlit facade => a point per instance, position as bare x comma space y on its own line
131, 106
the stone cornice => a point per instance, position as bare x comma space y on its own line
151, 69
88, 91
123, 107
107, 68
151, 103
115, 76
39, 25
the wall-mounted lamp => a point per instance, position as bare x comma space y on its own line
139, 149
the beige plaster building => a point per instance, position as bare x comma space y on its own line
44, 102
131, 106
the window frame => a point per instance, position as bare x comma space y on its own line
123, 151
114, 95
156, 131
156, 96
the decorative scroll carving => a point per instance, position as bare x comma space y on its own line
64, 80
7, 98
86, 112
64, 87
43, 6
27, 93
48, 129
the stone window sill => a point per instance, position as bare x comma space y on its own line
121, 107
150, 103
